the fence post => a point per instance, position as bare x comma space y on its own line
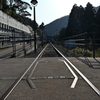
94, 45
85, 44
24, 43
30, 41
13, 43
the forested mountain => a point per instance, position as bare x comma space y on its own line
96, 8
83, 20
56, 25
80, 20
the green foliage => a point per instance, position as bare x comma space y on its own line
17, 6
73, 21
98, 24
20, 7
81, 52
62, 33
18, 10
89, 18
97, 52
76, 21
4, 6
81, 20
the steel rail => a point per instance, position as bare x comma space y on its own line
75, 76
89, 83
13, 86
30, 75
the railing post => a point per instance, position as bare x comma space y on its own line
94, 45
85, 44
24, 43
30, 41
13, 43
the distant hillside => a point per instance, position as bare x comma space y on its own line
56, 25
96, 8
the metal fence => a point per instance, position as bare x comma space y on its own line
85, 42
10, 36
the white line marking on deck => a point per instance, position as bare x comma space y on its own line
75, 79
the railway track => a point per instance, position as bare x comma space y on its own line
50, 51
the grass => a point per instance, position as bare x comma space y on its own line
82, 52
97, 52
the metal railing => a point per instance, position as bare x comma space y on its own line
10, 36
86, 41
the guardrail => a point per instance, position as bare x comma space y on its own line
87, 41
13, 37
13, 32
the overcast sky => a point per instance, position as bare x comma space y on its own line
49, 10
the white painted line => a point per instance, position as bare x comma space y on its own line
30, 75
12, 88
89, 83
75, 79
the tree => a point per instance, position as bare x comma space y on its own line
73, 22
62, 33
41, 27
98, 24
20, 7
81, 20
32, 25
18, 10
3, 5
89, 18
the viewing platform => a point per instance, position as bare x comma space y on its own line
52, 79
